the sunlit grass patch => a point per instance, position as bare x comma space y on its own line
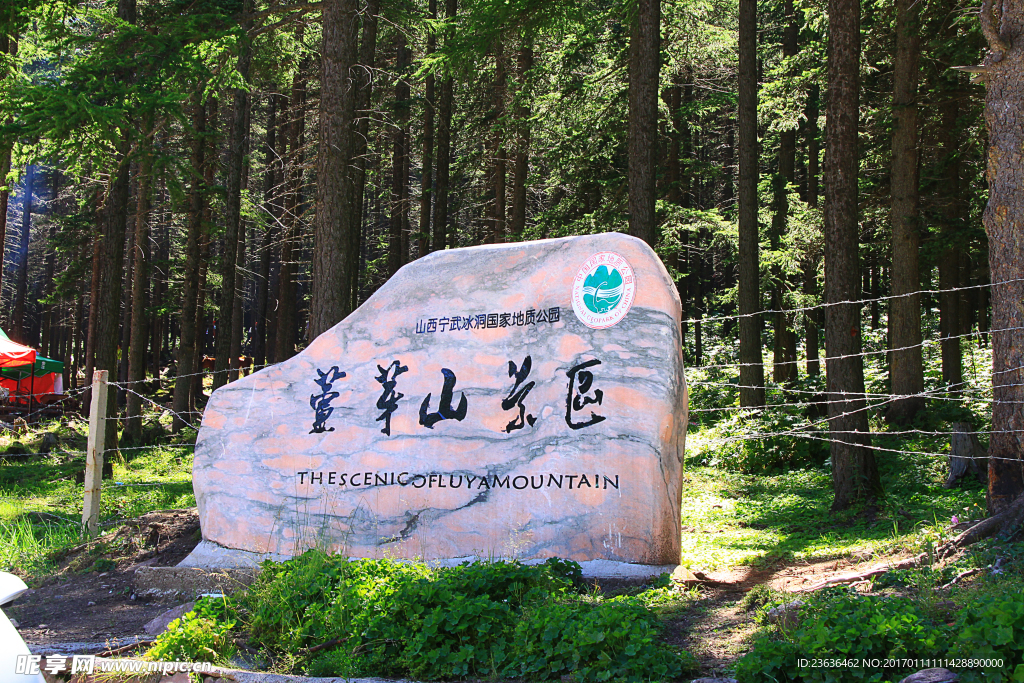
41, 501
732, 519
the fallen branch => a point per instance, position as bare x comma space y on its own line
863, 576
334, 642
962, 575
1008, 519
124, 648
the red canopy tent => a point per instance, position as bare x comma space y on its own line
13, 354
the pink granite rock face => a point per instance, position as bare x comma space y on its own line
466, 409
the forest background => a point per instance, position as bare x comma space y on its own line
226, 179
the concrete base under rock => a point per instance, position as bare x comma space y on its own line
180, 583
214, 558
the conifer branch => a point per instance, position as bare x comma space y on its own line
989, 29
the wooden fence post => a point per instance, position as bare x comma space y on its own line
94, 453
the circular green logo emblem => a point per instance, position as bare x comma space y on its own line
602, 291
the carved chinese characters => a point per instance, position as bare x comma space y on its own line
465, 410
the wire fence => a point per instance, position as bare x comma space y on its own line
984, 390
807, 404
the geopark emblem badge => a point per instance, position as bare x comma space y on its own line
603, 290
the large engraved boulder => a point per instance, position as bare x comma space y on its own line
517, 400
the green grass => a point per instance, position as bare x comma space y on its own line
760, 519
155, 478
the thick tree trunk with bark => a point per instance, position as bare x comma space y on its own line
644, 67
749, 298
1004, 222
109, 285
854, 472
444, 149
108, 308
907, 370
335, 219
233, 220
190, 286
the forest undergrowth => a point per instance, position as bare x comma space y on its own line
756, 494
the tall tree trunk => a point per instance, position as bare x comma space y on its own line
77, 357
158, 273
785, 339
140, 291
5, 168
854, 472
399, 147
108, 308
238, 310
367, 57
444, 150
673, 99
20, 328
812, 111
644, 68
499, 164
949, 259
813, 318
404, 203
335, 194
203, 321
287, 317
126, 289
8, 46
749, 297
94, 294
427, 174
51, 311
1004, 222
190, 287
272, 176
521, 167
233, 206
907, 371
115, 224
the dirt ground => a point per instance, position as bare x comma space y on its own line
81, 603
717, 630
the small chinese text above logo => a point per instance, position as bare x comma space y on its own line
603, 290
